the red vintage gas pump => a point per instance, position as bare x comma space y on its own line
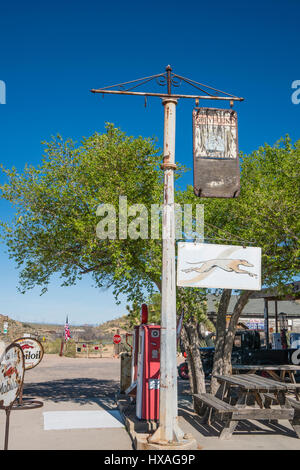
148, 370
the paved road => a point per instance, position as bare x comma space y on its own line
67, 384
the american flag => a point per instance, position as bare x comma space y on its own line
67, 331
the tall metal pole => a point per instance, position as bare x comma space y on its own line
168, 430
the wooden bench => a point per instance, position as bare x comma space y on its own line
228, 413
295, 403
238, 413
296, 419
271, 398
207, 400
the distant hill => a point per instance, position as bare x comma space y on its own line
17, 329
50, 332
108, 329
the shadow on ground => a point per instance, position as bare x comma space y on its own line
185, 409
81, 391
263, 427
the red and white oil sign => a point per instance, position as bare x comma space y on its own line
33, 351
11, 374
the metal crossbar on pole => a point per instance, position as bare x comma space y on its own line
168, 430
165, 95
168, 78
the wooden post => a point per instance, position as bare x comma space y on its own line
7, 412
117, 346
266, 318
61, 353
276, 316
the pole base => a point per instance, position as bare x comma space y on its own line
140, 433
188, 442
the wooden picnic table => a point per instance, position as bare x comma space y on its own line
261, 391
271, 369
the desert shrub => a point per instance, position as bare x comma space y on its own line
52, 347
70, 349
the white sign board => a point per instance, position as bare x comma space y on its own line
218, 266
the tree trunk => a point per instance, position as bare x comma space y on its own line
225, 338
186, 345
220, 338
192, 347
238, 308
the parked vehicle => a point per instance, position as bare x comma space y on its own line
246, 350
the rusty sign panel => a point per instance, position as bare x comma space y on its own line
215, 147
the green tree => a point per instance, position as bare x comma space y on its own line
266, 214
192, 304
54, 229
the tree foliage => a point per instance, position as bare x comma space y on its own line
54, 229
266, 214
189, 301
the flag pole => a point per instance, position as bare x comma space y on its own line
62, 344
63, 339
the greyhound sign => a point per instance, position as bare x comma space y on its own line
219, 266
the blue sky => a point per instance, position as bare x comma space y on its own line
53, 53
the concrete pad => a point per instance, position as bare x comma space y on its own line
82, 419
67, 384
27, 431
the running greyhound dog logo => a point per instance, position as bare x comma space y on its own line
226, 264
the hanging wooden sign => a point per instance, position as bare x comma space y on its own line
215, 148
218, 266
